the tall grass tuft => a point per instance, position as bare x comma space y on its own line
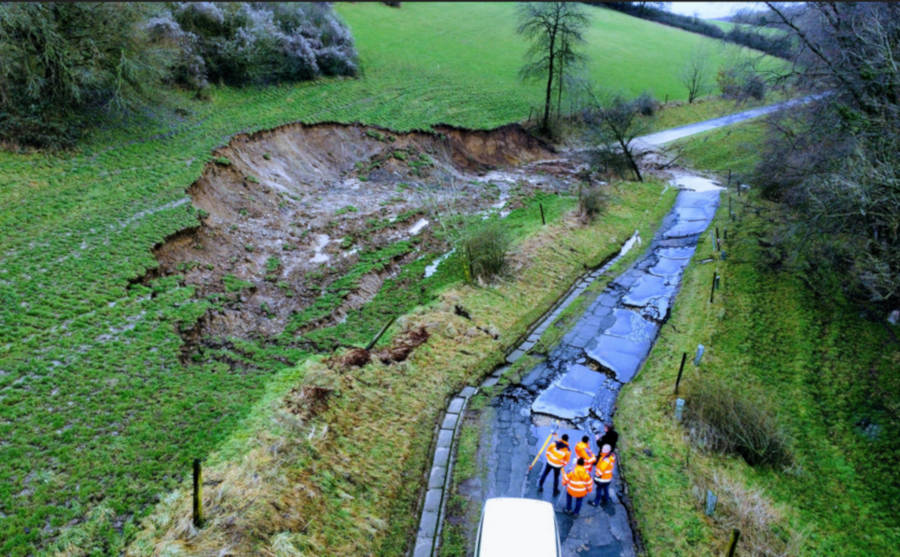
726, 420
592, 202
484, 251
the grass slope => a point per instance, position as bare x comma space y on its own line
825, 372
97, 414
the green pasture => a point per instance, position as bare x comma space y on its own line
97, 413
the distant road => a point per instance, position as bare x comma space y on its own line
659, 138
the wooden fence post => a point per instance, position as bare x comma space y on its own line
543, 221
381, 332
735, 534
680, 370
198, 494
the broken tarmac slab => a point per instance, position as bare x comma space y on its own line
572, 396
622, 356
682, 253
669, 269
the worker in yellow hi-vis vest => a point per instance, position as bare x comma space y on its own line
578, 485
603, 474
583, 450
557, 457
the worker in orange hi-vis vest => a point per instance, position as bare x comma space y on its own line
583, 450
557, 457
578, 485
603, 474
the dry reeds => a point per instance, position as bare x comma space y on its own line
763, 525
726, 420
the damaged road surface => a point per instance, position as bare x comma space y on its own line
575, 388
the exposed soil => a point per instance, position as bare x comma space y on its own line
287, 211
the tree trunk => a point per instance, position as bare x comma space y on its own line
559, 90
547, 99
631, 160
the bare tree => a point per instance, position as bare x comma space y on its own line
554, 27
567, 61
836, 161
695, 74
617, 123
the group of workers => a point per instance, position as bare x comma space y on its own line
578, 482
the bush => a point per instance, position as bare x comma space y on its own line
741, 82
61, 63
592, 201
755, 87
484, 251
243, 43
610, 161
646, 104
723, 419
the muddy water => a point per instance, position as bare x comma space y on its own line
576, 386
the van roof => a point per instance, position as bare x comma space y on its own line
517, 526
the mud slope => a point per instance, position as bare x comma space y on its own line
285, 212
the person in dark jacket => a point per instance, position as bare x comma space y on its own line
609, 437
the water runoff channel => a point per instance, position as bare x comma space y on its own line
574, 389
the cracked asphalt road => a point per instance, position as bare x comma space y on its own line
576, 386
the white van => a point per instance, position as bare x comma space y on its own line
518, 527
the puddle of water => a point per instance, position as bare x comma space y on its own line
416, 228
433, 266
635, 240
695, 183
320, 256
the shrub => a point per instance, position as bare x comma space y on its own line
741, 82
241, 43
755, 87
484, 251
592, 201
61, 63
724, 419
607, 159
646, 104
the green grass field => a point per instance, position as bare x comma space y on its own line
826, 373
97, 414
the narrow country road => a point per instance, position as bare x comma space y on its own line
574, 389
659, 138
579, 381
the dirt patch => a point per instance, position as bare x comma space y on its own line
286, 212
403, 344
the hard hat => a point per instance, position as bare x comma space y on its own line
605, 449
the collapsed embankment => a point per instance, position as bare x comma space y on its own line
287, 212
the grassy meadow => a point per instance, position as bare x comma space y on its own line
98, 415
825, 372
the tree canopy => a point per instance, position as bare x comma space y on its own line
554, 29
